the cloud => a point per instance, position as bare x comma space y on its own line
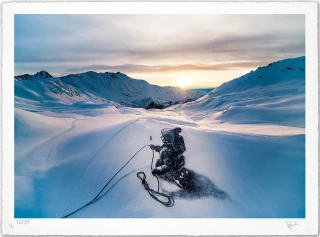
226, 48
154, 43
131, 68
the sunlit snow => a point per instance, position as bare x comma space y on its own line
245, 144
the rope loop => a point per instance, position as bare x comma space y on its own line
151, 192
143, 178
154, 194
98, 195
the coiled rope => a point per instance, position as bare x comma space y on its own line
155, 194
151, 192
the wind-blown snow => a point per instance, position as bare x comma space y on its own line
245, 147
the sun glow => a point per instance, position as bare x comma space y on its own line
184, 82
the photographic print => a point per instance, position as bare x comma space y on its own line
135, 116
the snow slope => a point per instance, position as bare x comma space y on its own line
97, 88
273, 95
246, 166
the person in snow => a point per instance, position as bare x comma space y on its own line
170, 165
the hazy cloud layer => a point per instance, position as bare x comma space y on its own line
65, 44
130, 68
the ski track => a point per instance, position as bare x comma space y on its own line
88, 164
52, 139
50, 152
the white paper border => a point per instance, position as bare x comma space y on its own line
209, 226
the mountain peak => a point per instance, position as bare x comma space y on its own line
38, 75
99, 88
23, 77
42, 74
115, 75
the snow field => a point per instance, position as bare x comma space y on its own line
245, 148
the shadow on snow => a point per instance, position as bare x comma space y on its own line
200, 186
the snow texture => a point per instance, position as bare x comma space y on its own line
245, 146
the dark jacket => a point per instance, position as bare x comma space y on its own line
170, 158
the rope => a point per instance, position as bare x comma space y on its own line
96, 197
152, 192
151, 169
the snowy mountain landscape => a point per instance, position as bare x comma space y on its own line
98, 88
245, 145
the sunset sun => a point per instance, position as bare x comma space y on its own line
183, 82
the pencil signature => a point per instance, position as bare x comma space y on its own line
291, 225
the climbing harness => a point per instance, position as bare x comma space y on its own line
151, 192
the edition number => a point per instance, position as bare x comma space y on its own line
22, 222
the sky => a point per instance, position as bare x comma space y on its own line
166, 50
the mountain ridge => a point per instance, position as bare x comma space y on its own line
97, 87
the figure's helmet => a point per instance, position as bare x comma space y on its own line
162, 138
170, 135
